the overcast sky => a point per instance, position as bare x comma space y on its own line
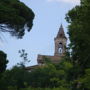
49, 14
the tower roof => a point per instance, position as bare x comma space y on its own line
61, 33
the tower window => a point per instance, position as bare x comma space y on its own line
60, 48
60, 45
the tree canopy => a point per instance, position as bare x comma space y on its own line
3, 61
72, 73
15, 17
79, 33
49, 76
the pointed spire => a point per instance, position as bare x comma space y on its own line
61, 26
61, 32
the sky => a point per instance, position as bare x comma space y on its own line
49, 14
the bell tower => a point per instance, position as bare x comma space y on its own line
60, 42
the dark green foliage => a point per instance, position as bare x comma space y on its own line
85, 80
50, 76
16, 77
60, 88
3, 61
24, 57
79, 33
15, 17
72, 73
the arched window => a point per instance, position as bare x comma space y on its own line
60, 48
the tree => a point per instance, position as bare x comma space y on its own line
16, 77
79, 33
15, 17
24, 57
3, 62
84, 81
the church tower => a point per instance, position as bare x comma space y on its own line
60, 48
60, 42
